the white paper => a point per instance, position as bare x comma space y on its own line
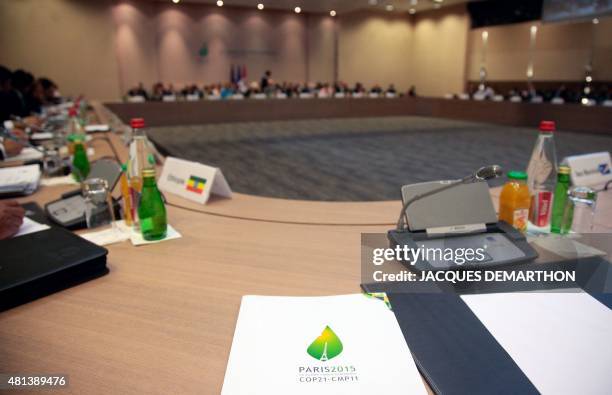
137, 239
112, 235
269, 351
62, 180
561, 341
97, 128
25, 178
30, 226
26, 154
41, 136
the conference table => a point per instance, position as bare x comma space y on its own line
162, 320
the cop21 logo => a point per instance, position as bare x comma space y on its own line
326, 346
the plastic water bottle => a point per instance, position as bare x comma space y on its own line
542, 176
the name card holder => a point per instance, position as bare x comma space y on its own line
193, 180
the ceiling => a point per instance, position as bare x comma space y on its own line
340, 6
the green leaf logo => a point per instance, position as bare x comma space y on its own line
326, 346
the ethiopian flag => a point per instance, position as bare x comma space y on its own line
196, 184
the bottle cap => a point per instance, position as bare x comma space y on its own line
564, 170
137, 123
547, 126
72, 112
148, 173
517, 175
124, 167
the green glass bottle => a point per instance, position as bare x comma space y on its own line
80, 162
559, 201
151, 210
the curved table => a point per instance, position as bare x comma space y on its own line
162, 320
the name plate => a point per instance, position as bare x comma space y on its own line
592, 170
192, 180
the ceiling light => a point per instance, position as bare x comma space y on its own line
297, 10
412, 11
332, 13
389, 7
176, 1
589, 78
220, 3
595, 21
260, 6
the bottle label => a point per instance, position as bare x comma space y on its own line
519, 219
541, 205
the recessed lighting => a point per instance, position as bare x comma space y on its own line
332, 13
595, 21
297, 10
219, 3
589, 78
260, 6
389, 7
176, 1
412, 11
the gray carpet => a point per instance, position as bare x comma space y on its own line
357, 159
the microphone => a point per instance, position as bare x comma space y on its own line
482, 174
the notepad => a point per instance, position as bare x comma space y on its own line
26, 154
330, 345
561, 341
19, 179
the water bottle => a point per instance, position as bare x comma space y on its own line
542, 176
137, 162
151, 210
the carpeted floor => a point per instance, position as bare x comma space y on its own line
357, 159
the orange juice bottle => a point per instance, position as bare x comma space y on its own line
514, 201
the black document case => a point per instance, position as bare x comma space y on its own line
38, 264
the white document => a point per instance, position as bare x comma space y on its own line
30, 226
192, 180
26, 154
94, 128
333, 345
561, 341
41, 136
20, 178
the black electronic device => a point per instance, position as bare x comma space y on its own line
457, 216
69, 210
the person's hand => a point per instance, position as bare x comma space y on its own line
11, 218
33, 121
13, 147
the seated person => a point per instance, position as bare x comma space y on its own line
376, 89
138, 91
11, 218
391, 89
50, 91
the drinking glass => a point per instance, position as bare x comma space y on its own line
98, 203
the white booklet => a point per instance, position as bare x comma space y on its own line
348, 344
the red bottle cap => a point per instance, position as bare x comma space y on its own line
547, 126
137, 123
72, 112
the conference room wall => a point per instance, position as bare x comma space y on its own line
170, 39
375, 48
438, 50
321, 47
70, 41
561, 51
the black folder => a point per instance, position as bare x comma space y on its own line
41, 263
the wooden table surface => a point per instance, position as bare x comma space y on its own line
162, 320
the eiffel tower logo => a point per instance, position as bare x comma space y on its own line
326, 346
